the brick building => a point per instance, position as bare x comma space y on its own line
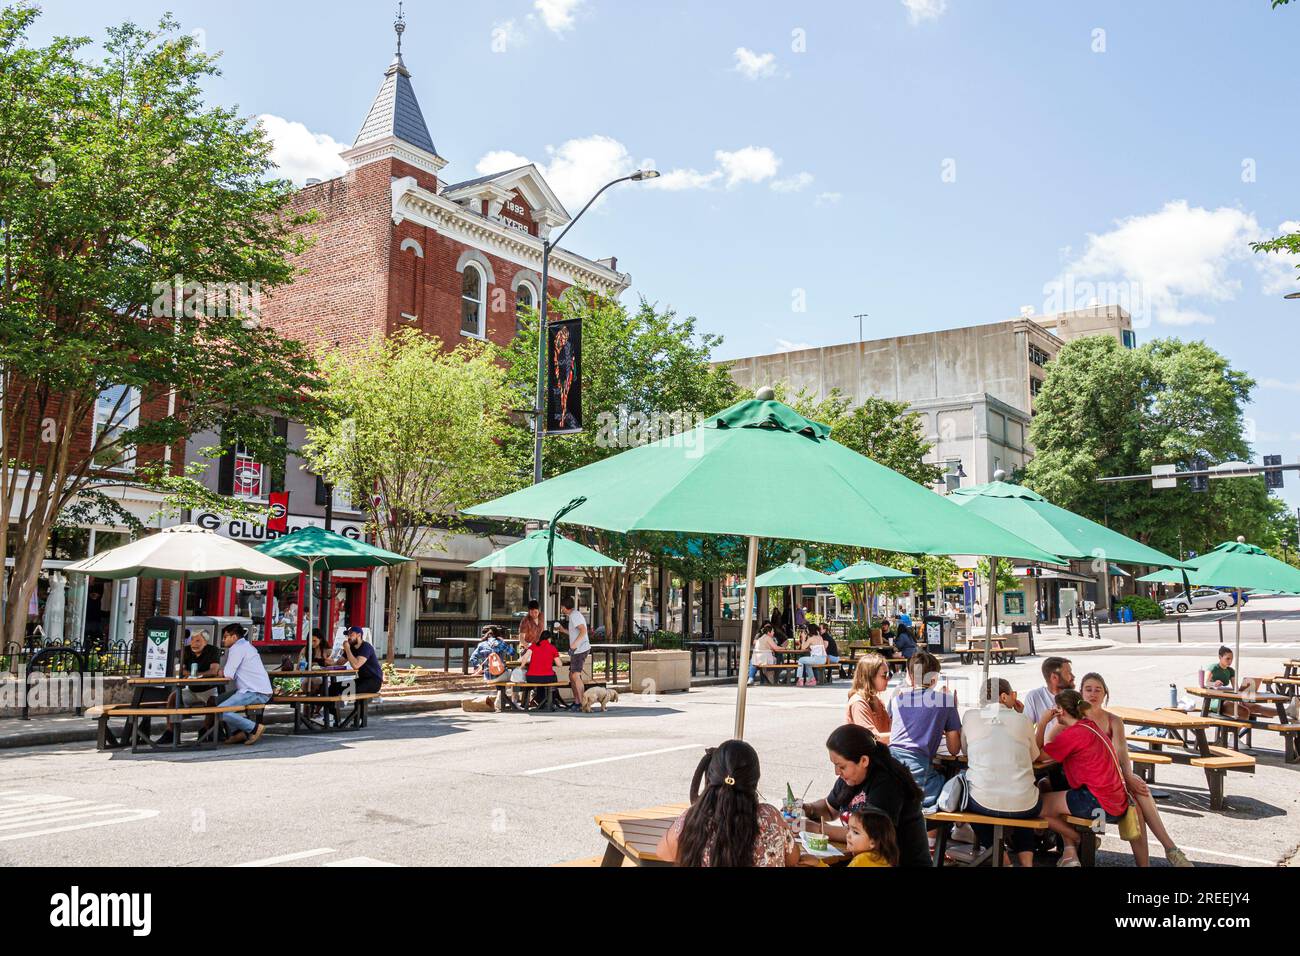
396, 246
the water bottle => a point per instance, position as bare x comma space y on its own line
1200, 677
1173, 695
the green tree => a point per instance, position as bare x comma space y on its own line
414, 433
645, 376
1106, 410
140, 226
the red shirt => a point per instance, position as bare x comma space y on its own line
543, 660
1084, 751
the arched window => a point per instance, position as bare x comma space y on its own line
472, 301
525, 301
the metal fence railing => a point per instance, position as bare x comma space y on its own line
118, 659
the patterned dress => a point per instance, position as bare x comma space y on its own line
775, 839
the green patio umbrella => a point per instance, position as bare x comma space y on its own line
868, 571
1236, 565
313, 549
762, 470
793, 575
1034, 518
531, 552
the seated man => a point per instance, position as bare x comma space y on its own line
252, 684
361, 656
920, 718
199, 659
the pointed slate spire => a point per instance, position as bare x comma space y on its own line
395, 111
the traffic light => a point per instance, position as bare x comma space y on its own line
1199, 482
1273, 479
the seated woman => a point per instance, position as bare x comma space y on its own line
815, 647
764, 654
869, 775
541, 656
1001, 746
1092, 770
866, 706
832, 649
727, 825
904, 642
1097, 694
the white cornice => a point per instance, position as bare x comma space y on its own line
435, 212
390, 147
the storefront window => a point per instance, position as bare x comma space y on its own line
645, 601
449, 593
283, 609
733, 598
108, 540
675, 606
199, 597
510, 599
250, 602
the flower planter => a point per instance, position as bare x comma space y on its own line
660, 672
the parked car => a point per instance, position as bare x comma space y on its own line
1203, 599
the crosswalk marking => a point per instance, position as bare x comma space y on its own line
289, 857
359, 861
24, 816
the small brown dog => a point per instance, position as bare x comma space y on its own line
598, 695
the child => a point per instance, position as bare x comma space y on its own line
871, 838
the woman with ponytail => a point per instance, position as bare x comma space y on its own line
727, 824
1092, 770
870, 776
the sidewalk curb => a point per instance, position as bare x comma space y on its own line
80, 734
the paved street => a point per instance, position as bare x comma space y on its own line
454, 788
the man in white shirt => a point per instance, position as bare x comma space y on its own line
579, 647
1057, 676
245, 669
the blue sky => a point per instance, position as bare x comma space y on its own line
933, 163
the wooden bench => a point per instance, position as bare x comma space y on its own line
973, 655
355, 719
775, 673
505, 700
1087, 835
136, 715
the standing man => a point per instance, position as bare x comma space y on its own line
252, 684
579, 647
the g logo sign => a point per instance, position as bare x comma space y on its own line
279, 512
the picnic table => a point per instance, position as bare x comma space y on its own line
1282, 725
713, 648
633, 835
1291, 668
1190, 734
140, 711
611, 653
466, 644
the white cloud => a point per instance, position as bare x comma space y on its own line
919, 10
1279, 268
828, 199
754, 66
579, 167
785, 345
300, 153
557, 14
676, 180
1158, 261
793, 184
1277, 383
752, 164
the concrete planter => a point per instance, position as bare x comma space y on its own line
60, 693
660, 672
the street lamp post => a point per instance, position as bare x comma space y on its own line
539, 412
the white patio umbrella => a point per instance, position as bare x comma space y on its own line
183, 553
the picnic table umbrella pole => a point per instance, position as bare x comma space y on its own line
988, 623
746, 636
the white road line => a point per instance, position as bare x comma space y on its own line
591, 763
131, 817
1197, 850
359, 861
39, 818
289, 857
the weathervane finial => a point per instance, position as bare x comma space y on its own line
399, 26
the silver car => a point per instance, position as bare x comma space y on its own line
1203, 599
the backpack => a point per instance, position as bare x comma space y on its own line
495, 666
955, 795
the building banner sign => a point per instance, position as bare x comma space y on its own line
155, 652
279, 519
564, 378
242, 530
